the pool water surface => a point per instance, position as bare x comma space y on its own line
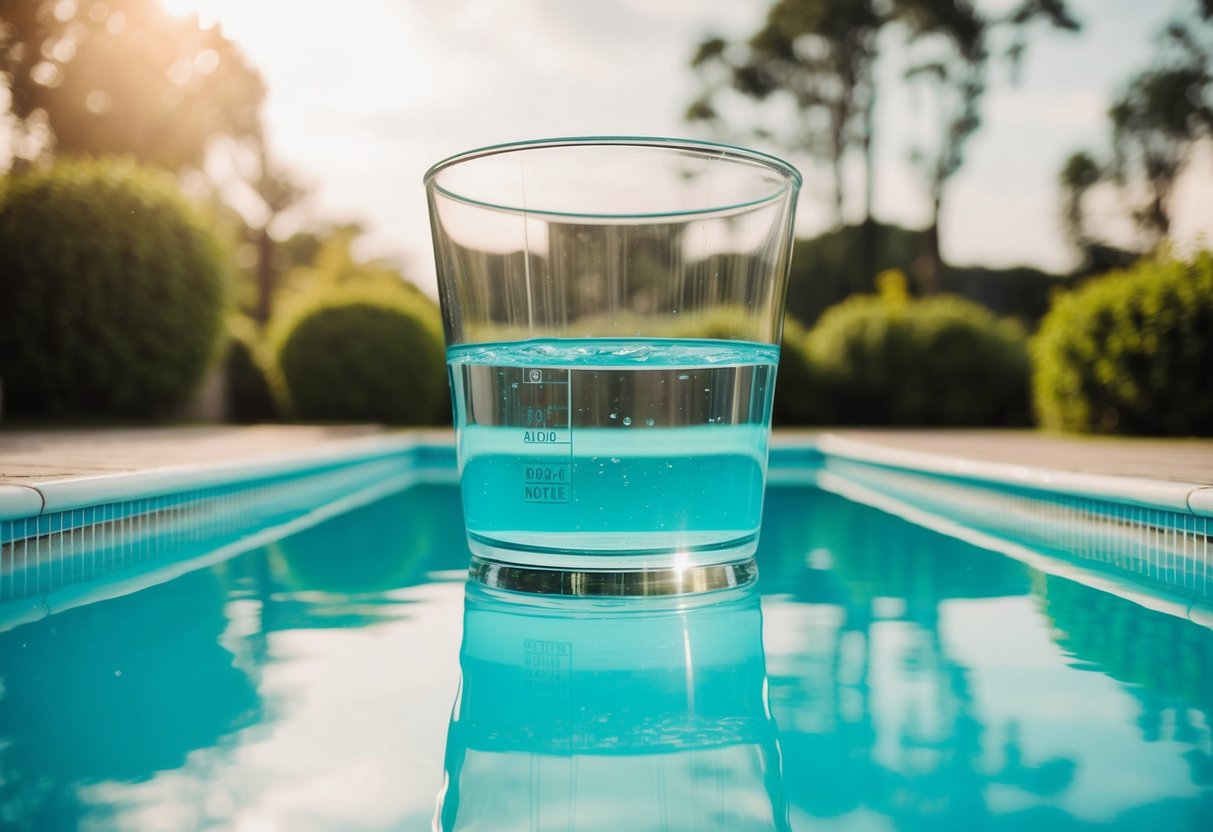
880, 676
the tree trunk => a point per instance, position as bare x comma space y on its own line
1158, 211
265, 274
839, 219
869, 155
869, 241
929, 268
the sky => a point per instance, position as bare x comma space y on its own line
365, 95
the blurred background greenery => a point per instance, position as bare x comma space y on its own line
154, 266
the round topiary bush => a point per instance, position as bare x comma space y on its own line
939, 361
113, 291
1131, 352
248, 394
363, 356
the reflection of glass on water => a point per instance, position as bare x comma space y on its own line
629, 715
613, 447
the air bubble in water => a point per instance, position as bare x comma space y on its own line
627, 420
683, 376
614, 415
649, 421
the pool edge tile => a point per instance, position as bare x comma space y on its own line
1200, 501
20, 501
1166, 494
80, 492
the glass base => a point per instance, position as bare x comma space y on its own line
613, 582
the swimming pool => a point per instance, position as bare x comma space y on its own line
893, 668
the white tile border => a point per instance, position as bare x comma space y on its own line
1182, 497
19, 501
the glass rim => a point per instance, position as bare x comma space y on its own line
792, 177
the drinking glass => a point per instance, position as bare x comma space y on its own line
612, 310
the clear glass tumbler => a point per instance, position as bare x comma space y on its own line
613, 310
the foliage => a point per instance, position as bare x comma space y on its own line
1131, 352
828, 269
248, 393
958, 81
327, 261
819, 58
123, 77
821, 55
1021, 292
938, 361
278, 191
800, 396
362, 354
114, 291
1156, 122
1158, 119
1080, 174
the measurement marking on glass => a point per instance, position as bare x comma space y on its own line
547, 481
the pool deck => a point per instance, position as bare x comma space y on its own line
31, 459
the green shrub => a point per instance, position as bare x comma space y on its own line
247, 392
800, 394
939, 361
113, 292
363, 355
1131, 352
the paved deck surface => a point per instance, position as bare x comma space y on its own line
1175, 460
29, 457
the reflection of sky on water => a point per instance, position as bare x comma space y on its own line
914, 683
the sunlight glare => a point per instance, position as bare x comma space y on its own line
208, 11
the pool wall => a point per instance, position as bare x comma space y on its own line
70, 542
97, 537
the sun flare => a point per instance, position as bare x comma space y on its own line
227, 13
207, 11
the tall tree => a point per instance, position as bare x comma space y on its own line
951, 42
123, 77
1156, 122
819, 56
1079, 174
1159, 118
279, 191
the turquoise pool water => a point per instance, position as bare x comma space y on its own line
881, 677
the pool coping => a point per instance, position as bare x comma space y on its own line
1182, 497
19, 501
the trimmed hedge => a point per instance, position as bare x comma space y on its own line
113, 291
939, 361
363, 355
1131, 352
248, 392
